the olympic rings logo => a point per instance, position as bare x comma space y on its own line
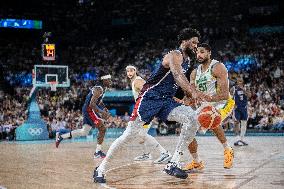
35, 131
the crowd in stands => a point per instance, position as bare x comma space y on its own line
139, 36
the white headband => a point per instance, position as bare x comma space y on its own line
131, 67
106, 77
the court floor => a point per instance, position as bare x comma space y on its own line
41, 165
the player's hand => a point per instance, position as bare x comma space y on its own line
178, 100
200, 97
207, 98
189, 101
197, 95
105, 115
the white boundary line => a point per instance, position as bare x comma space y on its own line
108, 187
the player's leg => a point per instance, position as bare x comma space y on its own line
244, 118
151, 143
90, 119
100, 139
237, 128
228, 150
225, 111
73, 134
146, 155
196, 163
129, 135
188, 118
154, 144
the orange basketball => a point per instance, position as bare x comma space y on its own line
209, 117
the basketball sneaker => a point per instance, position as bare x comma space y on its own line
143, 157
58, 139
98, 178
228, 158
244, 143
174, 170
99, 154
194, 166
164, 157
238, 143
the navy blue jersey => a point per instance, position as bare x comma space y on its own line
156, 97
89, 97
162, 83
240, 98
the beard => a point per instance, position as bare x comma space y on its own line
203, 61
190, 53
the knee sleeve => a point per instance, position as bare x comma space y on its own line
190, 130
182, 114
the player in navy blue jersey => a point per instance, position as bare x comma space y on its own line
240, 112
94, 113
156, 100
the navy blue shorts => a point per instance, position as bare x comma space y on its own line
241, 114
148, 108
90, 117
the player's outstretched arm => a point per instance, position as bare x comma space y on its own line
220, 72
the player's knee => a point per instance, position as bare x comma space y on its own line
188, 130
188, 116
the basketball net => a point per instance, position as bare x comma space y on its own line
53, 85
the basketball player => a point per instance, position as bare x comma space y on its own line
137, 83
240, 112
156, 100
211, 77
94, 113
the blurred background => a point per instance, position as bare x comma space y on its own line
96, 37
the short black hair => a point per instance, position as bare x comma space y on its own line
205, 46
187, 33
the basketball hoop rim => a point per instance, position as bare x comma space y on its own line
52, 82
53, 85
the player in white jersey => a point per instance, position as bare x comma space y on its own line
136, 84
211, 77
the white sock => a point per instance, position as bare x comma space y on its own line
190, 125
195, 157
243, 129
78, 132
99, 148
66, 135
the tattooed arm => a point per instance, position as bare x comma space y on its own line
173, 60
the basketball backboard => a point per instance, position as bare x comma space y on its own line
44, 75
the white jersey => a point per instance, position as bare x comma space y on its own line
206, 82
134, 91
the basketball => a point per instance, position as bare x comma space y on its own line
209, 117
